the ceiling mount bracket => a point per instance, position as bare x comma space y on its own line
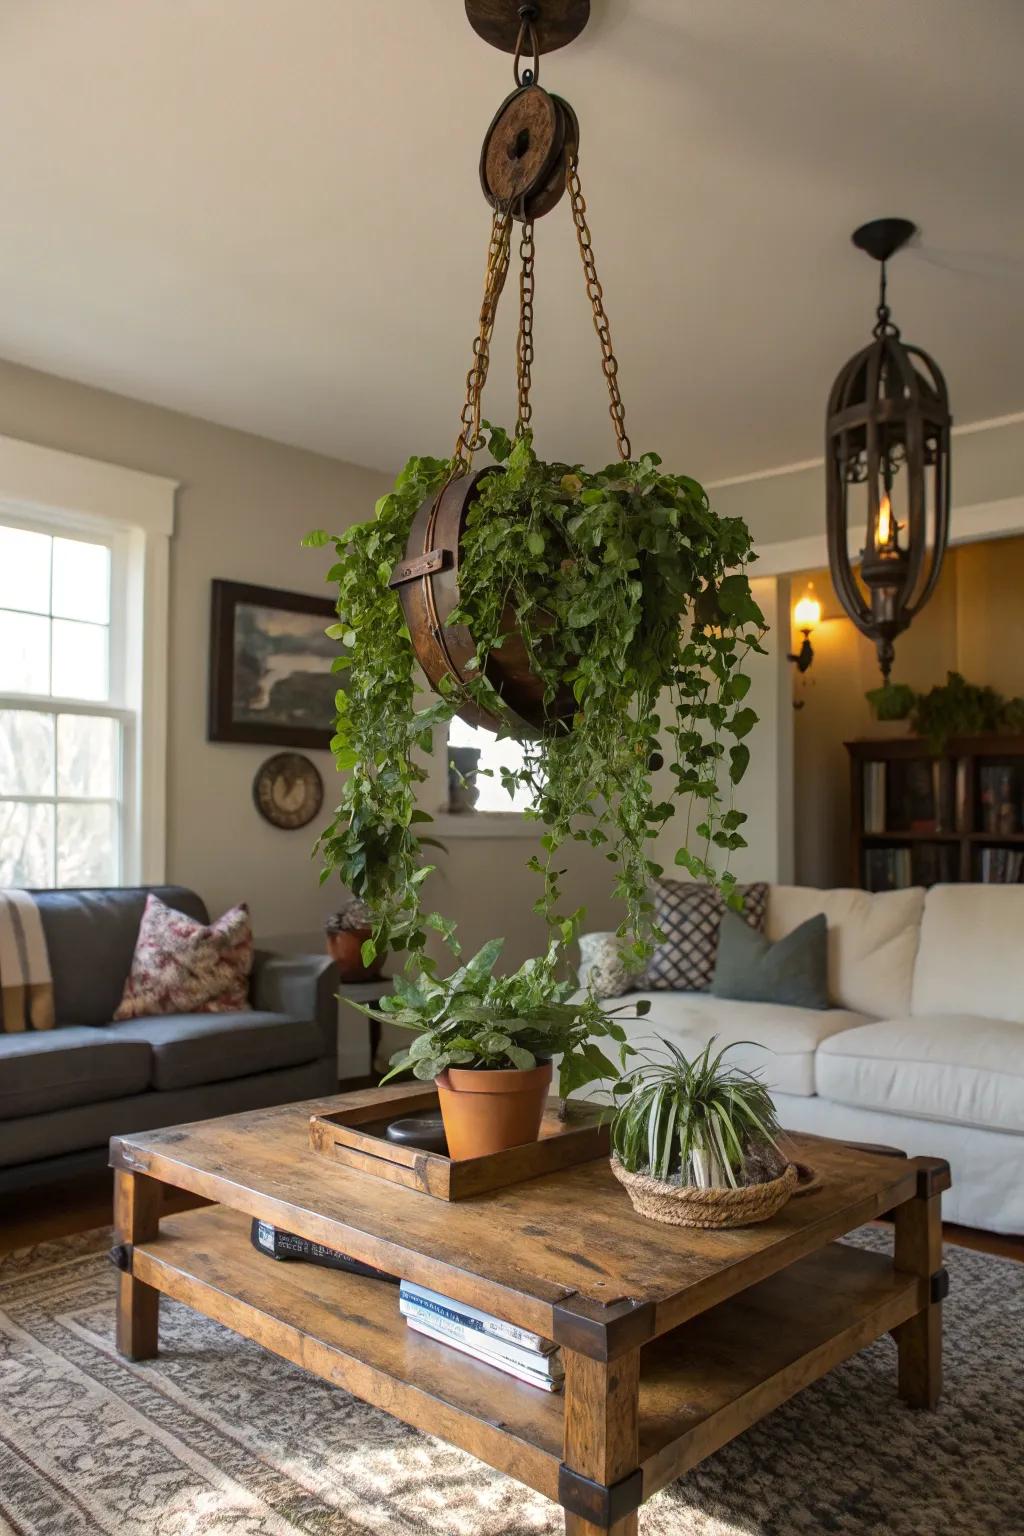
556, 22
882, 238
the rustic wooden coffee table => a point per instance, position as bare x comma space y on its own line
674, 1341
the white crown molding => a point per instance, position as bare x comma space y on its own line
993, 424
984, 520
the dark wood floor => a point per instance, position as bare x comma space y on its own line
78, 1205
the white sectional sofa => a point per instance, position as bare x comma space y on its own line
923, 1048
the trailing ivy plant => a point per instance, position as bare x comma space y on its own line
630, 591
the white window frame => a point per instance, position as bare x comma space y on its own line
64, 494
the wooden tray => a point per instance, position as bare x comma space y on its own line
355, 1136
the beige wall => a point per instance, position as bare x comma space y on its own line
973, 624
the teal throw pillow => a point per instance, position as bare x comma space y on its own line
751, 969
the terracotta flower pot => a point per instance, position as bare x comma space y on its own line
344, 949
488, 1111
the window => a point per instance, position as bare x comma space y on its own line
63, 731
495, 754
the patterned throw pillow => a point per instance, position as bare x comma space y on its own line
181, 966
690, 915
602, 965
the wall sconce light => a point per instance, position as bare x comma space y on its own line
806, 617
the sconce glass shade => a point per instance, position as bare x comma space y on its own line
807, 613
888, 431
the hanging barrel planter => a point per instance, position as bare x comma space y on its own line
427, 582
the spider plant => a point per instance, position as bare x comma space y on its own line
693, 1117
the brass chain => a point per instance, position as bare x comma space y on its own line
498, 255
609, 362
524, 340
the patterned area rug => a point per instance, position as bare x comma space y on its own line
219, 1438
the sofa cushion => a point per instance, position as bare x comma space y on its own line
193, 1048
689, 913
969, 960
872, 942
956, 1068
90, 938
792, 971
785, 1038
183, 966
56, 1069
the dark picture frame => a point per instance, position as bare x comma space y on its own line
253, 697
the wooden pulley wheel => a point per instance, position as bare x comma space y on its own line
526, 152
427, 582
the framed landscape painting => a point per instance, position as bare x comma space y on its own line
270, 667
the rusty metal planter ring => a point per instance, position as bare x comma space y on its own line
427, 582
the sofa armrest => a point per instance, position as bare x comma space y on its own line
304, 986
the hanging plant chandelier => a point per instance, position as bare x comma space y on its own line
888, 430
602, 619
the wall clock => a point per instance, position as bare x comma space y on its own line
288, 790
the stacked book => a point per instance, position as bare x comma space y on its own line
508, 1348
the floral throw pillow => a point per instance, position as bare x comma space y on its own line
690, 915
603, 966
181, 966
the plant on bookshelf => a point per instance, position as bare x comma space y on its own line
953, 708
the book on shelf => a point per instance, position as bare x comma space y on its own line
934, 863
1000, 794
517, 1351
888, 869
539, 1379
1001, 866
874, 797
281, 1245
471, 1317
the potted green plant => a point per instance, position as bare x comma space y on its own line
347, 930
696, 1143
489, 1043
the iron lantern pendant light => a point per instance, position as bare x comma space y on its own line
888, 429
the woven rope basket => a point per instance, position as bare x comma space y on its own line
683, 1205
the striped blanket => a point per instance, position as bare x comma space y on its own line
26, 986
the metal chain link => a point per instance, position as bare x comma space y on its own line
609, 362
498, 255
524, 340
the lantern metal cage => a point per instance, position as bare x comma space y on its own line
888, 428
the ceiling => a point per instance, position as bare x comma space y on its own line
267, 213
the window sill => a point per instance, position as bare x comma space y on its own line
485, 824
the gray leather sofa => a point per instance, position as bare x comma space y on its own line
65, 1092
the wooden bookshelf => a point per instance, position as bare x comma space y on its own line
921, 819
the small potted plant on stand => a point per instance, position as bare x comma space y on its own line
489, 1042
696, 1144
347, 930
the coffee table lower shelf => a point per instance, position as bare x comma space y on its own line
700, 1385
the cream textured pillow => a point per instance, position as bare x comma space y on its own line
181, 966
872, 942
603, 967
